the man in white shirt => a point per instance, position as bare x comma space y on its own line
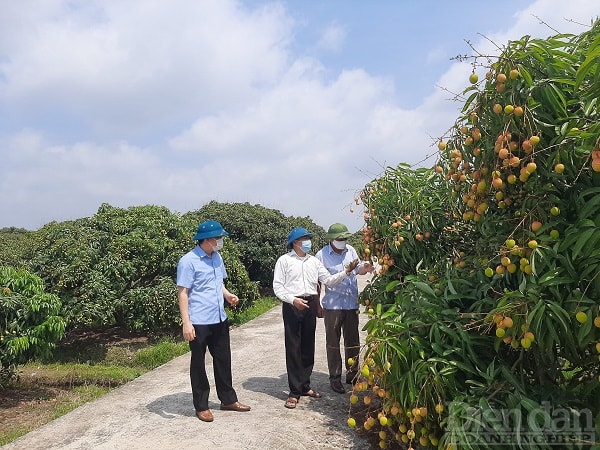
295, 280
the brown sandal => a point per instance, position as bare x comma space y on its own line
291, 402
312, 393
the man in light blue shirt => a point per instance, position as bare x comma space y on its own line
202, 295
340, 306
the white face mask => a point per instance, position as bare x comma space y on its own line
219, 245
340, 245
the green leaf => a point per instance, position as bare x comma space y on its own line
437, 348
391, 286
593, 58
451, 288
560, 315
582, 241
552, 278
424, 287
590, 199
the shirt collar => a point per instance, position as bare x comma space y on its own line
200, 252
293, 254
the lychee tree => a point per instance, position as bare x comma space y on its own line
487, 302
118, 266
30, 320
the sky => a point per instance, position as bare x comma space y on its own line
294, 105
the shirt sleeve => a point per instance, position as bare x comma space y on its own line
185, 273
279, 282
328, 279
319, 255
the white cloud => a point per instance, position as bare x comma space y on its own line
304, 144
130, 67
44, 182
179, 103
333, 38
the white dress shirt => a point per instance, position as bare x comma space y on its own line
297, 276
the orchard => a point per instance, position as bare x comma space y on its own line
484, 315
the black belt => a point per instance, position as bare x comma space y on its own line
307, 297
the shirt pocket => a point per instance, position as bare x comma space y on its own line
219, 273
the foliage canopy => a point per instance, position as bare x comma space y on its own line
30, 320
260, 234
488, 297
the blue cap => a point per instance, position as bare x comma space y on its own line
210, 229
297, 233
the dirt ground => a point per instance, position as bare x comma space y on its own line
32, 402
30, 405
155, 410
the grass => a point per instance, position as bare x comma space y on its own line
159, 354
17, 432
84, 370
40, 403
84, 395
259, 307
77, 374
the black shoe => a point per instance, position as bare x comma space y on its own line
337, 386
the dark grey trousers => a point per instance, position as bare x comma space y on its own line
338, 321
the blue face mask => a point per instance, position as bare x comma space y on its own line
306, 246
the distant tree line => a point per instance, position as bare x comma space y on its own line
118, 268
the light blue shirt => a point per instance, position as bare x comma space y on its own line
345, 294
203, 275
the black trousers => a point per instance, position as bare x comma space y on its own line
300, 329
215, 337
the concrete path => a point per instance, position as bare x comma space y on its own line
155, 411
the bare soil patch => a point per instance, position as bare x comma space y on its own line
33, 398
